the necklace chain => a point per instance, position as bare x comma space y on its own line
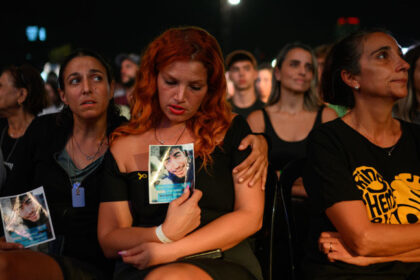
90, 157
391, 150
13, 147
163, 142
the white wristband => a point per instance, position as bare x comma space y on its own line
161, 236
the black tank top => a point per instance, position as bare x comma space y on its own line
282, 151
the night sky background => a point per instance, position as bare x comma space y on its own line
260, 26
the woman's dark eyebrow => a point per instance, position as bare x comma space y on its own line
384, 48
95, 71
72, 74
90, 71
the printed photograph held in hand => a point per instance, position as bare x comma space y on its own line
26, 218
171, 170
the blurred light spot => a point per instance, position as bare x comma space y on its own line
234, 2
273, 63
42, 34
32, 32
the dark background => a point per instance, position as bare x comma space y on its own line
260, 26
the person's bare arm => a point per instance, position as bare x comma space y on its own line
365, 238
328, 114
333, 246
115, 231
224, 232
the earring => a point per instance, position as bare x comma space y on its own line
357, 87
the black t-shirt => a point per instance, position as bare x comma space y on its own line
343, 166
216, 183
8, 145
244, 112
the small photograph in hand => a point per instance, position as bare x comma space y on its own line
171, 170
26, 218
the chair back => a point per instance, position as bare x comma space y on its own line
296, 213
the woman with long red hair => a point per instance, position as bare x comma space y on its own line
180, 98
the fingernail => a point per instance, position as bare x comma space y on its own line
241, 147
122, 253
250, 184
241, 180
235, 171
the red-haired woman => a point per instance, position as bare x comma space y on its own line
180, 98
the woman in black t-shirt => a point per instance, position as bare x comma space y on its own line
363, 170
180, 98
22, 97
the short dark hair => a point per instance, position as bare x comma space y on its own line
240, 55
135, 58
29, 78
322, 50
265, 65
344, 55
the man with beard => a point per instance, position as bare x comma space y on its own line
129, 65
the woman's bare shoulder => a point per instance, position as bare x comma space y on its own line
328, 114
124, 147
256, 121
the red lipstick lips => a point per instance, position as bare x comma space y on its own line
176, 110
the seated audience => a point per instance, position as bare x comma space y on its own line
321, 53
242, 68
293, 109
408, 108
363, 169
64, 153
180, 98
264, 81
54, 103
22, 97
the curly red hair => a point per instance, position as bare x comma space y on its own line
213, 118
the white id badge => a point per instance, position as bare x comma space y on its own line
78, 195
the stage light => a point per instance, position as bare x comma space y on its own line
234, 2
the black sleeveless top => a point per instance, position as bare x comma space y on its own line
282, 152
